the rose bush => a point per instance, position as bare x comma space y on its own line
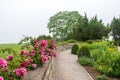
34, 53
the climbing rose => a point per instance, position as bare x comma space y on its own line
20, 71
3, 63
1, 78
9, 58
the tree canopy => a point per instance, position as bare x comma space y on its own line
115, 26
62, 23
71, 25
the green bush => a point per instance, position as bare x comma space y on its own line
74, 49
96, 53
108, 63
106, 57
62, 43
85, 61
101, 77
71, 41
89, 41
83, 51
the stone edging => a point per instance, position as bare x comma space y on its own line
49, 71
87, 73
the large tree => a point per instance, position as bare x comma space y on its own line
115, 26
80, 31
62, 23
96, 28
89, 29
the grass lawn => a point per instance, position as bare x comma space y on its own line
15, 47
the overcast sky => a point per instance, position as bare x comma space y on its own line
30, 17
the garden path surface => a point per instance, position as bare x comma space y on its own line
66, 67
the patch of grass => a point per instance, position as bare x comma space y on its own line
14, 47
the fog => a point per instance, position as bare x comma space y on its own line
30, 17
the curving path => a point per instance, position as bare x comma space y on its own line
66, 67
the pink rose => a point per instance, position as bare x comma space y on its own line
20, 71
22, 52
1, 78
55, 54
9, 58
3, 63
41, 51
45, 58
32, 52
24, 64
34, 65
43, 42
4, 69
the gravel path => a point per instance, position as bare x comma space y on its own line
66, 67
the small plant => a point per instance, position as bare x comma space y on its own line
74, 49
101, 77
85, 61
83, 51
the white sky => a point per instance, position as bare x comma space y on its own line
30, 17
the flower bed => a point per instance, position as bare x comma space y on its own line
34, 54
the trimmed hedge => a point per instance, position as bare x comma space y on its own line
74, 49
83, 51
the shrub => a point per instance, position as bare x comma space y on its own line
108, 63
85, 61
101, 77
83, 51
46, 37
16, 65
62, 43
74, 49
89, 41
71, 41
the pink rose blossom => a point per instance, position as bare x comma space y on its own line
55, 54
3, 63
43, 42
24, 64
20, 71
9, 58
4, 69
27, 53
45, 58
41, 51
32, 52
30, 59
22, 52
1, 78
34, 65
48, 50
